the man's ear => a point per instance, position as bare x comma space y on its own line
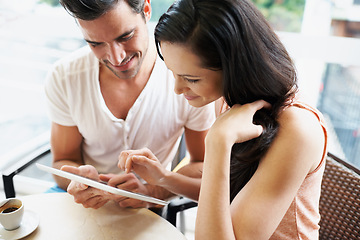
147, 10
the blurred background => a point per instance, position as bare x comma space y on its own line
322, 36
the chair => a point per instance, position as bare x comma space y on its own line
179, 204
9, 173
340, 200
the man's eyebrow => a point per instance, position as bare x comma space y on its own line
125, 34
117, 38
91, 42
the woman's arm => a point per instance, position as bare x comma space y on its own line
259, 207
234, 126
186, 181
213, 219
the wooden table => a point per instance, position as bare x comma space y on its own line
62, 218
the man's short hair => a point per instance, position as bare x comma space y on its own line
92, 9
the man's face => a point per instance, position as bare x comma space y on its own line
119, 38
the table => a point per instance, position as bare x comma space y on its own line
62, 218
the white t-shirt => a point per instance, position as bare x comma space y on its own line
156, 120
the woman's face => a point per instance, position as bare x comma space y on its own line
199, 85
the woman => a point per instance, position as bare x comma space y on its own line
274, 146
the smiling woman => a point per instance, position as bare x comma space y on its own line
199, 85
275, 165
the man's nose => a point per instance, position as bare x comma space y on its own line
116, 54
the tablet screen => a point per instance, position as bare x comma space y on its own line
100, 185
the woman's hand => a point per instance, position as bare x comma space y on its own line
144, 163
236, 124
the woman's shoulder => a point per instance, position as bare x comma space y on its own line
303, 124
301, 130
300, 119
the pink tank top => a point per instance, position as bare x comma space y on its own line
301, 220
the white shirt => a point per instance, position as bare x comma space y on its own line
156, 120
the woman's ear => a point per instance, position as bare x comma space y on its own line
147, 10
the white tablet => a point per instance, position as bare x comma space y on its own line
100, 185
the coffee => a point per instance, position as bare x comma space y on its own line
10, 209
11, 213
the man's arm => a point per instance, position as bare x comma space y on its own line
195, 144
66, 143
66, 149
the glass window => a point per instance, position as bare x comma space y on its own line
325, 46
340, 92
33, 36
284, 15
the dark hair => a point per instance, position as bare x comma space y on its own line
92, 9
233, 36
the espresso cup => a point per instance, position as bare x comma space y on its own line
11, 213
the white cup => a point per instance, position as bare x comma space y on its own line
11, 213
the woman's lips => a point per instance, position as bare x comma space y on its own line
189, 98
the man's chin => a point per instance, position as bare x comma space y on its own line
130, 73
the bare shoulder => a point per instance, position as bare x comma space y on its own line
301, 121
303, 127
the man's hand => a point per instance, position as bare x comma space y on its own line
128, 182
89, 197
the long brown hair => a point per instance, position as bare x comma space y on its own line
233, 36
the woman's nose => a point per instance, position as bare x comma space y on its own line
116, 54
179, 86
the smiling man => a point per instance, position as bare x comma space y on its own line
114, 96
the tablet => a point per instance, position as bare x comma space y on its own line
100, 185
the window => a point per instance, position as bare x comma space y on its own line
325, 45
340, 94
33, 36
284, 15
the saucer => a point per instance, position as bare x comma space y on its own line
28, 225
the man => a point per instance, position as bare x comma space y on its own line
118, 97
